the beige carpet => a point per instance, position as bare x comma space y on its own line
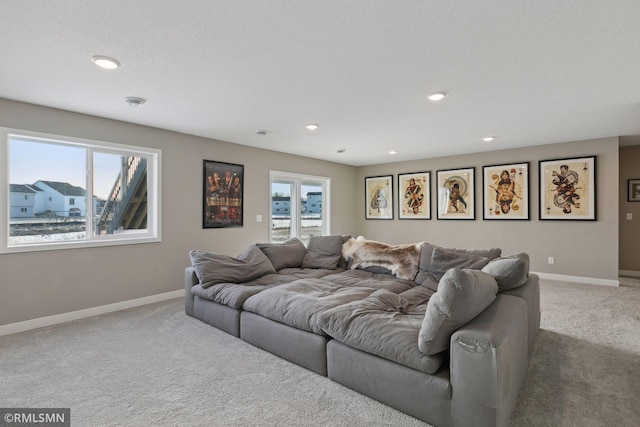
153, 365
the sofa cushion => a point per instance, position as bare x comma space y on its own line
286, 254
426, 256
461, 296
212, 268
509, 271
384, 324
442, 260
299, 303
323, 252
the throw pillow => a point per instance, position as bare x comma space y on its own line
462, 295
286, 254
442, 260
509, 271
323, 252
427, 254
214, 268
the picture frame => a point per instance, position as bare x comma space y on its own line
456, 193
414, 195
222, 195
633, 194
505, 192
568, 189
379, 197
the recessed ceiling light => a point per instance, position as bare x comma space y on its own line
134, 101
436, 96
393, 152
312, 126
105, 62
488, 138
340, 150
261, 132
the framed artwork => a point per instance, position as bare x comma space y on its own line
634, 190
568, 189
379, 197
414, 195
505, 191
222, 195
456, 194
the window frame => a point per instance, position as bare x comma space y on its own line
154, 191
298, 180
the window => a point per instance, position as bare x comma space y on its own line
85, 193
295, 190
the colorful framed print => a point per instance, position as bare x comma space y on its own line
568, 189
634, 190
414, 195
379, 197
456, 194
223, 190
505, 191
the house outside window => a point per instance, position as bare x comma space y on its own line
295, 191
109, 193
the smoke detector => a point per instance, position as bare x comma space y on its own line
134, 101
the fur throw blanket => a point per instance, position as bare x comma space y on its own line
402, 260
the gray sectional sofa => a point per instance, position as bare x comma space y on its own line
441, 334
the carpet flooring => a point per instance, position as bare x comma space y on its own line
154, 365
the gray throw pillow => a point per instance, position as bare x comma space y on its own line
443, 260
462, 295
286, 254
212, 268
427, 254
323, 252
509, 271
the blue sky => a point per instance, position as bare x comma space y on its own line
33, 161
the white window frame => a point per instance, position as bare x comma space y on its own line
154, 164
298, 180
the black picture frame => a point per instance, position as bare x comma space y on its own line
378, 197
222, 195
456, 194
414, 195
505, 192
633, 190
568, 189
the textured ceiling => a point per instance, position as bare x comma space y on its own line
528, 72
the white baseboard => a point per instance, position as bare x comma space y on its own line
629, 273
578, 279
41, 322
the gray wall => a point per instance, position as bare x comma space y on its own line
38, 284
580, 248
629, 229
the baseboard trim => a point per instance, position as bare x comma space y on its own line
579, 279
13, 328
629, 273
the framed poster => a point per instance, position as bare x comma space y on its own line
414, 195
633, 190
379, 197
568, 189
456, 194
223, 192
505, 191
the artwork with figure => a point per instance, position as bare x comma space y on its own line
456, 198
506, 191
379, 197
414, 195
567, 189
634, 190
223, 188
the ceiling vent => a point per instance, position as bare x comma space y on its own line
134, 101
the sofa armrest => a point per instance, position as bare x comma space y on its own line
489, 360
190, 280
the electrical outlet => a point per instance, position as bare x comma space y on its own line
258, 218
551, 260
629, 216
